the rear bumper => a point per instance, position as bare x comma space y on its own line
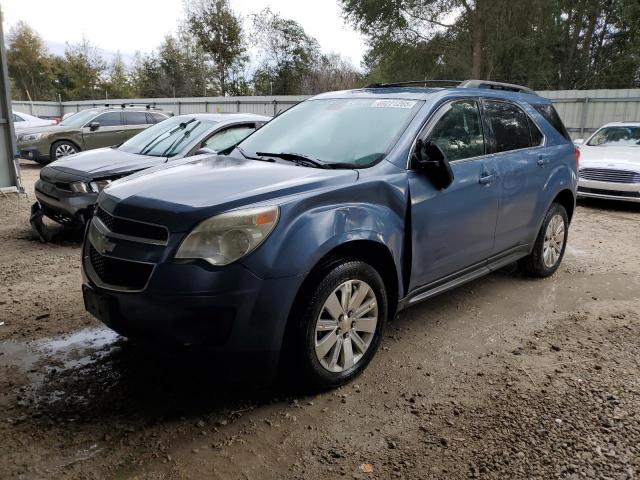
629, 192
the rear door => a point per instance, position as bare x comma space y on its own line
135, 122
517, 144
453, 228
110, 130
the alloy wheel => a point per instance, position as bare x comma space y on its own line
346, 325
64, 150
553, 241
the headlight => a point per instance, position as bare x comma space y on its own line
28, 137
99, 185
227, 237
79, 187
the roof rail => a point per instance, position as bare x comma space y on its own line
148, 106
413, 82
510, 87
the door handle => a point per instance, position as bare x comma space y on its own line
486, 179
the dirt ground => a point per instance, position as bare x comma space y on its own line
505, 377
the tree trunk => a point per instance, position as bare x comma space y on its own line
477, 40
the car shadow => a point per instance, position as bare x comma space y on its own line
613, 205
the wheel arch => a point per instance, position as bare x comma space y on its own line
58, 140
567, 199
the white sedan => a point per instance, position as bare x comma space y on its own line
610, 163
23, 120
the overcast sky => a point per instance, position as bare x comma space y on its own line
131, 25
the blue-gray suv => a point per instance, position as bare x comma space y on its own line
334, 216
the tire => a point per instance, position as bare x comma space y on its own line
547, 254
59, 148
316, 326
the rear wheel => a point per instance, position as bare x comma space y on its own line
61, 149
344, 312
550, 245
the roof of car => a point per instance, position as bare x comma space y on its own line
621, 124
422, 93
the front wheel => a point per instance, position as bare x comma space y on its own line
547, 253
344, 313
61, 149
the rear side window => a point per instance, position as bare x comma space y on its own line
458, 133
109, 119
135, 118
550, 115
16, 118
510, 126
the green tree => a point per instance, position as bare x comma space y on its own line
118, 85
85, 68
218, 31
286, 53
30, 66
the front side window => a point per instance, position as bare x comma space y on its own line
458, 133
168, 138
343, 132
135, 118
220, 141
510, 126
621, 136
109, 119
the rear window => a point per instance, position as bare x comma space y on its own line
135, 118
551, 116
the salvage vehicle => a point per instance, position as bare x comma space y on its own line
68, 188
610, 163
24, 120
86, 130
334, 216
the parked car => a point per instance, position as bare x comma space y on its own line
68, 188
24, 120
610, 163
86, 130
340, 212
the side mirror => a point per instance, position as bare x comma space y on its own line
205, 151
93, 126
431, 160
578, 141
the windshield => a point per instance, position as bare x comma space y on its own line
167, 138
353, 133
616, 137
77, 120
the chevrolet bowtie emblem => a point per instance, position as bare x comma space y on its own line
100, 241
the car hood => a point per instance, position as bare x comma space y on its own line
610, 157
104, 163
48, 129
185, 192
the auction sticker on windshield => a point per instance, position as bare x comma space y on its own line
387, 103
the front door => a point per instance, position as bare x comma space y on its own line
454, 228
110, 131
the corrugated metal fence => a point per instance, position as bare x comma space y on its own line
582, 111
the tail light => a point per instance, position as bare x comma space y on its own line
576, 153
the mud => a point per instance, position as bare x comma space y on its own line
505, 377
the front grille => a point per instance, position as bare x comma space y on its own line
613, 193
120, 273
132, 228
609, 175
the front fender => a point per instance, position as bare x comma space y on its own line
314, 232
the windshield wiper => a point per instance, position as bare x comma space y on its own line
152, 144
296, 158
249, 157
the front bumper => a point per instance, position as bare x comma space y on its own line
193, 303
64, 206
629, 192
